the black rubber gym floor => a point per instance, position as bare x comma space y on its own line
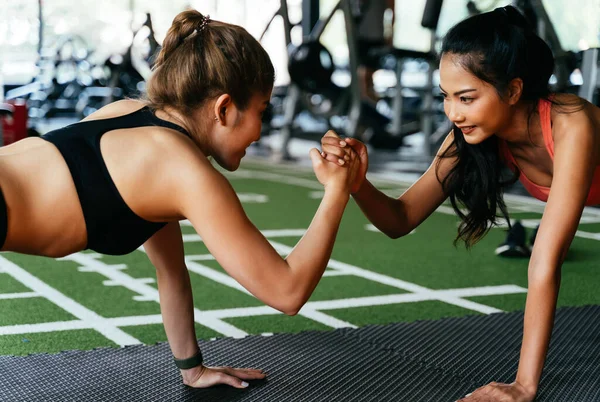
422, 361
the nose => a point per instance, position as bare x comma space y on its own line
454, 113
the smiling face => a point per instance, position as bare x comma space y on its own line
234, 129
471, 104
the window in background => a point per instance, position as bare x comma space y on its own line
408, 32
19, 38
577, 26
246, 13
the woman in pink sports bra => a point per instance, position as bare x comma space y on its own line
494, 73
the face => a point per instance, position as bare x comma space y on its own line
236, 130
470, 103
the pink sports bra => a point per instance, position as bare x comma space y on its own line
541, 192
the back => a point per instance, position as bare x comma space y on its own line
112, 227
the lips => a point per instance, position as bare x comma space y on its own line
467, 129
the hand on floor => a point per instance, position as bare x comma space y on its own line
498, 392
204, 377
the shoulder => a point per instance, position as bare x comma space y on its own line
572, 117
115, 109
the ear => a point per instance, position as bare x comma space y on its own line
515, 90
221, 106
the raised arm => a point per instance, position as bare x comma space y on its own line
165, 251
395, 217
209, 202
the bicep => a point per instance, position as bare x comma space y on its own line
214, 209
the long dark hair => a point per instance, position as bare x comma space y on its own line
496, 47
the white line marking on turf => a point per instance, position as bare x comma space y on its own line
332, 272
274, 177
45, 327
144, 291
214, 275
371, 228
20, 295
411, 287
266, 233
90, 262
324, 319
310, 310
343, 268
252, 198
523, 203
71, 306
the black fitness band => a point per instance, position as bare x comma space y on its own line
190, 362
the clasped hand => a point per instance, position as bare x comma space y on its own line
348, 153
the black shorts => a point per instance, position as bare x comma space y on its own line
3, 220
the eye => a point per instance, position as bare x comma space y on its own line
466, 99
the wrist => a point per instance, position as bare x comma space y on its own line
363, 187
192, 375
530, 387
337, 190
193, 361
362, 190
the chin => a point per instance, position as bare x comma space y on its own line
230, 162
475, 139
233, 165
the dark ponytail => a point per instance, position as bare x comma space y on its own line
496, 47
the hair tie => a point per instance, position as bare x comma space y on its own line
203, 23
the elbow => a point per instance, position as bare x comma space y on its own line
291, 312
395, 233
292, 307
290, 303
288, 309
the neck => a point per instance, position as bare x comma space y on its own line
521, 128
187, 122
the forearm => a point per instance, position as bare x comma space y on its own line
309, 258
538, 322
177, 309
384, 212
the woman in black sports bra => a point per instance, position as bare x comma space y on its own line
127, 174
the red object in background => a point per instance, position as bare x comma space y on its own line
14, 128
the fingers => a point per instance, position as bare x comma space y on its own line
315, 157
245, 374
333, 149
335, 141
331, 134
339, 160
354, 143
235, 376
223, 378
338, 151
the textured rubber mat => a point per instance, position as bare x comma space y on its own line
422, 361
